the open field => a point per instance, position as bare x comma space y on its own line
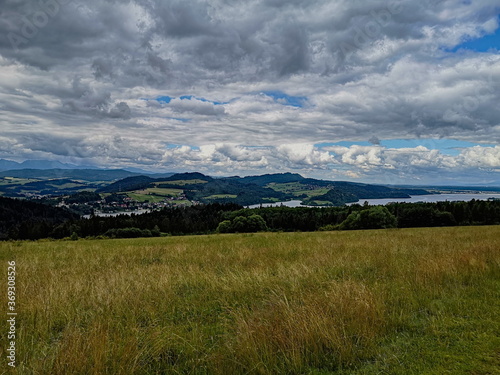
154, 195
145, 197
297, 189
312, 193
15, 181
162, 192
408, 301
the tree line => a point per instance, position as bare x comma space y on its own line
22, 220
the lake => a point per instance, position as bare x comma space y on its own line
112, 214
430, 198
277, 204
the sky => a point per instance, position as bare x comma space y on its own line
378, 91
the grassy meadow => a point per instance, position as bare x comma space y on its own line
412, 301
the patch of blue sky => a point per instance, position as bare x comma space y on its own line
278, 96
179, 119
343, 144
164, 99
171, 146
191, 97
285, 99
445, 146
167, 99
486, 43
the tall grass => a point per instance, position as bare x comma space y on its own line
395, 301
338, 326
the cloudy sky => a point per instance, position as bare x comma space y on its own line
387, 91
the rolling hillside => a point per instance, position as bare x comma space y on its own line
194, 187
262, 189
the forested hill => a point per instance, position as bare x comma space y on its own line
143, 182
30, 220
267, 188
276, 178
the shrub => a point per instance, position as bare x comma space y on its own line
155, 232
243, 224
328, 228
224, 227
377, 217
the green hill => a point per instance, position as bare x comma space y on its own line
262, 189
196, 186
128, 184
277, 178
348, 192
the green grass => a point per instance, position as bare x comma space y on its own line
312, 193
412, 301
68, 185
154, 195
145, 197
286, 187
8, 181
297, 189
164, 192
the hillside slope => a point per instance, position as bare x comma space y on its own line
263, 189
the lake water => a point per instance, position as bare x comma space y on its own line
278, 204
373, 202
112, 214
430, 198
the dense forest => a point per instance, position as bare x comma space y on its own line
21, 220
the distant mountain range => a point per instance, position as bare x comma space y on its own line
37, 164
76, 174
9, 165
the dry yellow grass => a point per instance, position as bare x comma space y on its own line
394, 301
338, 325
